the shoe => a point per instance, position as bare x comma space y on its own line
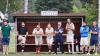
22, 50
38, 51
4, 53
88, 54
55, 53
95, 53
69, 51
49, 51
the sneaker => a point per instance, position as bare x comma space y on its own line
69, 51
95, 53
49, 51
38, 51
88, 54
4, 53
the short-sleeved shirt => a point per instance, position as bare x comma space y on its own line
84, 31
22, 31
59, 33
35, 31
6, 30
94, 29
51, 30
69, 28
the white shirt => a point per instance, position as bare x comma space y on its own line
38, 32
70, 27
49, 31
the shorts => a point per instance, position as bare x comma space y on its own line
94, 42
84, 41
22, 38
38, 40
50, 40
70, 38
5, 40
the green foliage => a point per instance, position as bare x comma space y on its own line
2, 5
89, 8
60, 5
13, 5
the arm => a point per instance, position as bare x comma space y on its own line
34, 32
42, 33
81, 29
72, 27
94, 32
87, 29
61, 30
46, 31
26, 31
52, 32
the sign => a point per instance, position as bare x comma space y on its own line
49, 13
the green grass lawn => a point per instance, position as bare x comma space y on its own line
33, 54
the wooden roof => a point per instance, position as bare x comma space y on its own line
36, 14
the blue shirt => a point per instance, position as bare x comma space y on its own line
94, 29
84, 31
59, 33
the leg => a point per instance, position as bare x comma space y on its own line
55, 46
50, 47
61, 46
72, 42
49, 44
81, 49
69, 48
23, 40
86, 48
96, 47
4, 49
37, 45
7, 49
72, 47
7, 45
86, 44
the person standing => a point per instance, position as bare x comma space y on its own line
5, 28
84, 30
22, 34
94, 37
58, 40
49, 33
70, 34
38, 32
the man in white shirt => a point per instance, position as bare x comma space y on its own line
38, 32
49, 33
70, 33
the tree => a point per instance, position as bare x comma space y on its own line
13, 5
60, 5
89, 8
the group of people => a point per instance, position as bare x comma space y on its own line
50, 32
84, 30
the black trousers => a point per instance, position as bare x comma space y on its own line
57, 43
